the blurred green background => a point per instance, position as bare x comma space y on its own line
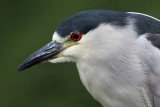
27, 25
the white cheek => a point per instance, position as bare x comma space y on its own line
71, 51
76, 52
60, 60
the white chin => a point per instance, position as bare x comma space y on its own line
60, 60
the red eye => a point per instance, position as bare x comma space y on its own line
76, 36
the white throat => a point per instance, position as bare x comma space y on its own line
98, 71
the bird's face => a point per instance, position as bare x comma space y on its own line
77, 37
72, 47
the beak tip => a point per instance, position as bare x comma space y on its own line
19, 69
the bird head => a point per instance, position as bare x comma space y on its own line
80, 36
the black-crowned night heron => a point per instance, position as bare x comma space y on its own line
117, 55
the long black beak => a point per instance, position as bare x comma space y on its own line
49, 51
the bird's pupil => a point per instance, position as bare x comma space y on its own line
75, 36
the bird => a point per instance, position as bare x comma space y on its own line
117, 55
